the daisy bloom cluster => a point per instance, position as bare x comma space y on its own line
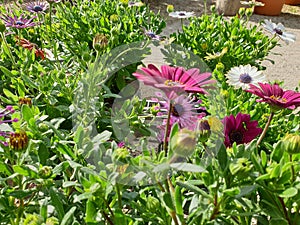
176, 86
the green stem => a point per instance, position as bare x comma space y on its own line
265, 129
292, 168
119, 196
167, 130
284, 210
8, 49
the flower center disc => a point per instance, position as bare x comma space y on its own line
236, 136
278, 98
177, 110
171, 83
181, 14
37, 8
20, 23
278, 31
245, 78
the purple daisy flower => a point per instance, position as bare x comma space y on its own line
37, 7
183, 110
19, 23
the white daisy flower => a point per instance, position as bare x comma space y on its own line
181, 14
279, 30
242, 76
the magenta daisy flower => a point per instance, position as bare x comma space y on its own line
175, 79
19, 23
37, 7
240, 129
275, 96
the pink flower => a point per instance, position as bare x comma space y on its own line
175, 79
240, 129
275, 96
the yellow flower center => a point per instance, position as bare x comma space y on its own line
278, 98
172, 83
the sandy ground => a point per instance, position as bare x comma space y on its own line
286, 57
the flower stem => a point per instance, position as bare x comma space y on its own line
167, 130
265, 129
8, 49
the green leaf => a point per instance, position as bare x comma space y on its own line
288, 193
57, 203
222, 157
69, 215
278, 221
25, 171
43, 153
26, 113
195, 189
10, 95
91, 212
188, 167
232, 191
6, 71
5, 169
168, 200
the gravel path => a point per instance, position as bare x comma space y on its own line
286, 57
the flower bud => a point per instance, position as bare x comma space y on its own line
52, 221
100, 42
114, 18
120, 154
86, 57
152, 204
33, 219
220, 66
18, 141
249, 12
170, 8
240, 167
242, 11
2, 27
183, 143
45, 172
291, 143
203, 130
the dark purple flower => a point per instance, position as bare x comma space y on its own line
275, 96
18, 22
240, 129
37, 7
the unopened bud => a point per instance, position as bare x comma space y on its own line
203, 130
291, 143
18, 141
45, 172
100, 42
170, 8
183, 143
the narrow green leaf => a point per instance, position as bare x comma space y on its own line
10, 95
57, 203
68, 216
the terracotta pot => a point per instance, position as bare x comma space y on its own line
292, 2
271, 7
